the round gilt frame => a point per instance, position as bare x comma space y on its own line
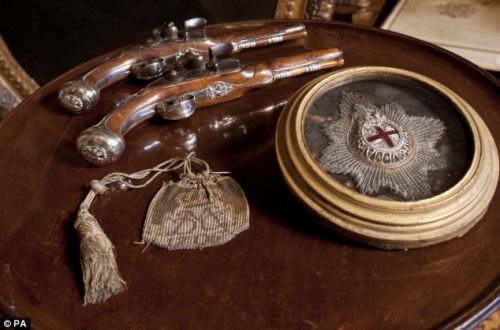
385, 223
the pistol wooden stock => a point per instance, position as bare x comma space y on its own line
82, 95
104, 143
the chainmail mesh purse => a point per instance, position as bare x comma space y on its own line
202, 209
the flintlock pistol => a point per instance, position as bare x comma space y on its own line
178, 97
167, 51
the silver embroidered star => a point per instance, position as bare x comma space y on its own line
383, 147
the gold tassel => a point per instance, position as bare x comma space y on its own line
101, 277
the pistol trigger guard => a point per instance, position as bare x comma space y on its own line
149, 69
177, 107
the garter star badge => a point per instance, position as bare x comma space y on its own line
381, 147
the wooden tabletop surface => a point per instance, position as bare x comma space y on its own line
285, 272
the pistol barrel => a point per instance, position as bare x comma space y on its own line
309, 62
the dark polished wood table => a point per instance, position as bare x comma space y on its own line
285, 272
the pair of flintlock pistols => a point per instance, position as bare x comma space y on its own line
191, 72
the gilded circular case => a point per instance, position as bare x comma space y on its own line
387, 156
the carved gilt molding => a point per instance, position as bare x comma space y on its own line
320, 9
15, 83
310, 9
362, 12
290, 9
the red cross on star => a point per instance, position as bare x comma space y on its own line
383, 135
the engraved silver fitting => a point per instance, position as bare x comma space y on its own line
78, 97
99, 145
